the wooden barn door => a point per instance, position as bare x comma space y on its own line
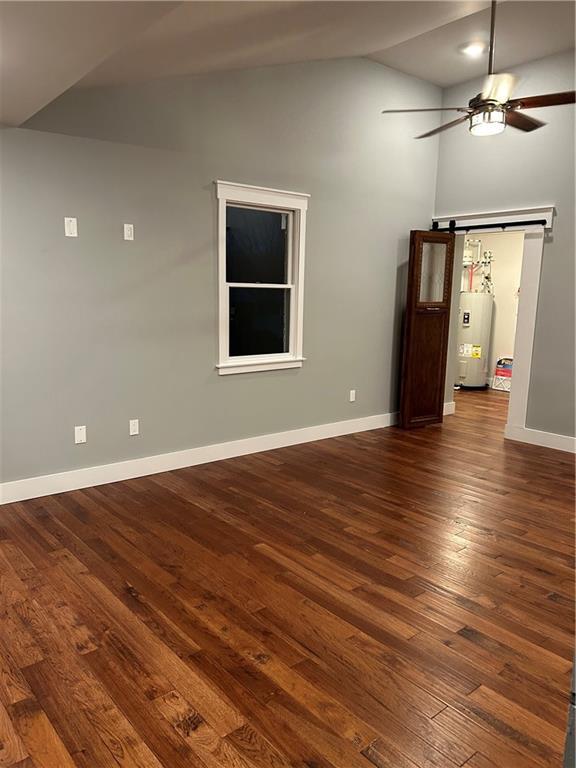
426, 328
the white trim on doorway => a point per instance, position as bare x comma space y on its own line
516, 428
525, 330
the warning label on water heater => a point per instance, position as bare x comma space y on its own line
470, 350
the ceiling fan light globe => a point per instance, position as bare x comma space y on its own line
487, 122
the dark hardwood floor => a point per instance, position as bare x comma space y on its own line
382, 599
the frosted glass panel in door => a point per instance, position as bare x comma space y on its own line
432, 269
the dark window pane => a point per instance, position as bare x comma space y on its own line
256, 245
259, 321
432, 268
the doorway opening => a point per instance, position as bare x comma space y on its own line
488, 268
535, 223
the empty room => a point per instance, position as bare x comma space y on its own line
287, 386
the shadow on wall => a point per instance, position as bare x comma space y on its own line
398, 329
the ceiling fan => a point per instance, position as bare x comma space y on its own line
492, 110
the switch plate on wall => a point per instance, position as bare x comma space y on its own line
79, 435
70, 226
134, 427
128, 231
352, 395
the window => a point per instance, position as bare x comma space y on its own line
261, 236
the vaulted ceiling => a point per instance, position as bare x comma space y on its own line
48, 47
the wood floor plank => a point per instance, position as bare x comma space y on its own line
39, 736
12, 750
13, 686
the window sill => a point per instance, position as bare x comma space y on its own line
225, 369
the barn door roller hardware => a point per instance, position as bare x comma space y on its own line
500, 225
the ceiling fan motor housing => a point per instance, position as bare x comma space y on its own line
479, 103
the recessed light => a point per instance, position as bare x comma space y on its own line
473, 50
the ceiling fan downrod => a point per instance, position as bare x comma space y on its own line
492, 38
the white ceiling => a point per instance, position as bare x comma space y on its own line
208, 36
525, 31
48, 47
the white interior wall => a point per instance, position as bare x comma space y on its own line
507, 250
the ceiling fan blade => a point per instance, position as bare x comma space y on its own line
443, 127
545, 100
431, 109
522, 122
498, 87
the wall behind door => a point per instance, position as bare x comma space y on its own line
507, 250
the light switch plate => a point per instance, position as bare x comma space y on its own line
352, 395
128, 231
79, 435
134, 427
70, 226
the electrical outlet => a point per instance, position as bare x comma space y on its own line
79, 435
134, 427
352, 395
128, 231
70, 226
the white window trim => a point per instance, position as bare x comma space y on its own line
295, 203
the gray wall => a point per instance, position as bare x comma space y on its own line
516, 170
97, 331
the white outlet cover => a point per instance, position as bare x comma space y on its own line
79, 435
134, 427
128, 231
70, 226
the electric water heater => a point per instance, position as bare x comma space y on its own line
474, 326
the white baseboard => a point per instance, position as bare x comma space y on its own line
545, 439
44, 485
72, 480
449, 408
